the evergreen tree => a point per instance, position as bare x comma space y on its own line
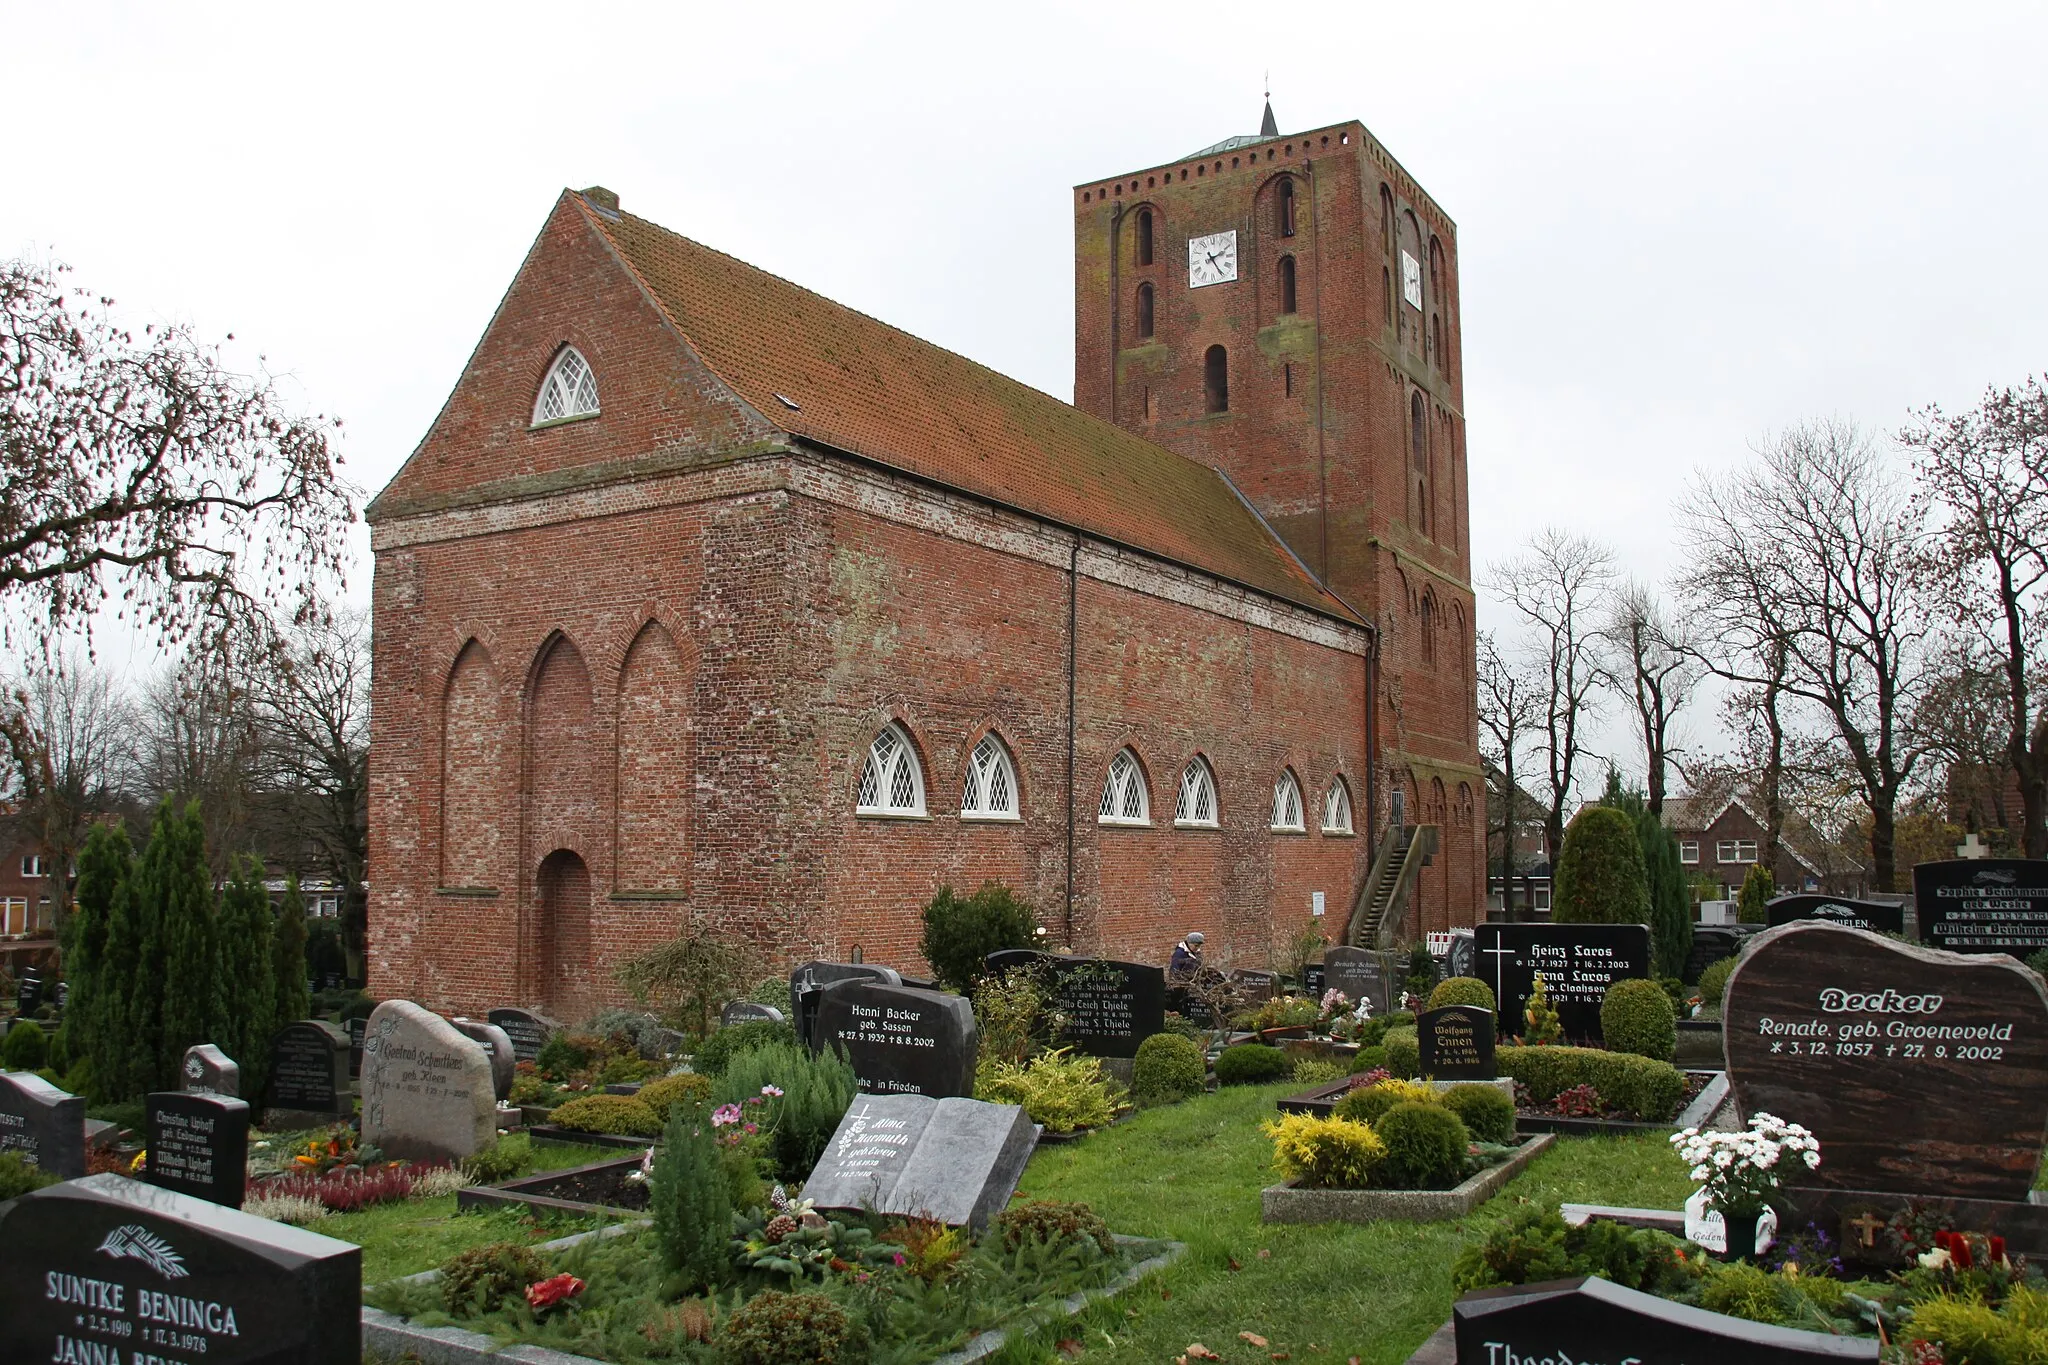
292, 997
103, 864
176, 1000
1757, 889
1670, 898
247, 974
135, 968
1599, 877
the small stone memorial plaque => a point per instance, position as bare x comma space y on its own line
308, 1083
1578, 962
529, 1031
806, 981
111, 1269
1588, 1319
1360, 974
1456, 1043
1877, 916
748, 1012
955, 1160
41, 1123
428, 1093
1111, 1007
1921, 1072
492, 1039
900, 1041
209, 1071
198, 1145
1983, 905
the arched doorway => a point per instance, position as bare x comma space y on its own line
562, 945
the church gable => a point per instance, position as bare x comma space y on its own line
578, 379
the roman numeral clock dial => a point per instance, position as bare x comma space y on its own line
1212, 259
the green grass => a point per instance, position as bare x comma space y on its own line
1320, 1292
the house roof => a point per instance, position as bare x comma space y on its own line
1692, 814
825, 373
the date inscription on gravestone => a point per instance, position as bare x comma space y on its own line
1578, 963
1456, 1043
1983, 905
198, 1145
1111, 1007
900, 1041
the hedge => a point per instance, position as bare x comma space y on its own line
1647, 1089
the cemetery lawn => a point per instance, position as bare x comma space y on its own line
1320, 1292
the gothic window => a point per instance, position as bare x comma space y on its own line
570, 390
1124, 800
1287, 802
1197, 802
1216, 380
1337, 808
1144, 237
1387, 292
1386, 221
990, 791
1287, 284
1428, 615
1145, 311
890, 781
1287, 208
1436, 342
1418, 434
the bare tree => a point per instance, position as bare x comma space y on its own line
1813, 549
1656, 666
1508, 713
1984, 479
198, 741
1964, 720
67, 733
1559, 587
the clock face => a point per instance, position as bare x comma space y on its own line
1212, 259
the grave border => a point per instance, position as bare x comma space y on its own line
507, 1193
1292, 1204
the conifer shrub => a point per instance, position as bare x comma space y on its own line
1426, 1147
477, 1281
1331, 1153
1488, 1114
1250, 1064
961, 931
1534, 1243
619, 1115
1540, 1023
1600, 877
59, 1056
715, 1053
26, 1047
18, 1176
1714, 982
690, 1199
1310, 1072
502, 1160
291, 991
1168, 1068
1636, 1016
817, 1088
683, 1088
1641, 1087
1370, 1103
1462, 990
250, 1006
1404, 1051
1054, 1223
1757, 889
1060, 1090
777, 1328
1369, 1059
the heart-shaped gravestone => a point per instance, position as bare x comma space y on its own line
1920, 1071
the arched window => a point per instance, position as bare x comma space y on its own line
890, 781
1144, 237
1387, 221
570, 390
1436, 342
1124, 799
1337, 808
990, 791
1286, 192
1145, 310
1287, 284
1287, 802
1387, 292
1216, 380
1197, 802
1428, 627
1418, 434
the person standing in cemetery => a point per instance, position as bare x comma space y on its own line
1187, 959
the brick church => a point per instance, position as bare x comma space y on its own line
708, 601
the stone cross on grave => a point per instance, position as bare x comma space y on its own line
1498, 951
1972, 847
1866, 1228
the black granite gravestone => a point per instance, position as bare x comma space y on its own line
1361, 975
1111, 1007
309, 1074
529, 1030
1710, 943
1578, 962
953, 1160
1591, 1321
209, 1071
198, 1145
1312, 980
1456, 1043
42, 1123
900, 1041
806, 981
1983, 905
110, 1269
358, 1029
497, 1045
1255, 988
28, 992
748, 1012
1877, 916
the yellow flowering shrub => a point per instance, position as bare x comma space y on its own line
1325, 1153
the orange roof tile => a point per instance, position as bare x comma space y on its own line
865, 387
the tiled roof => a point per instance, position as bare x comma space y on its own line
864, 387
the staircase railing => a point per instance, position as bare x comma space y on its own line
1396, 867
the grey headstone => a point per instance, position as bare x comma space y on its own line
209, 1071
308, 1083
494, 1041
954, 1160
748, 1012
428, 1092
900, 1041
529, 1030
42, 1123
198, 1145
806, 981
1256, 988
1360, 974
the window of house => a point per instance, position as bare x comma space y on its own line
32, 865
1337, 808
1145, 311
14, 915
990, 791
890, 781
1144, 236
1287, 284
1689, 851
1735, 851
570, 390
1216, 380
1287, 802
1286, 206
1196, 804
1124, 799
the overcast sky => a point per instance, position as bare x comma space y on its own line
1680, 227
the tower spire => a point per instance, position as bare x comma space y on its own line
1267, 126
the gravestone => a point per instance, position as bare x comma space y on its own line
1709, 945
1463, 959
198, 1145
1877, 916
1456, 1043
358, 1029
748, 1012
1588, 1319
900, 1041
498, 1047
308, 1085
28, 992
806, 981
954, 1160
428, 1092
62, 994
1360, 974
110, 1269
209, 1071
1312, 979
1983, 905
1111, 1007
1921, 1072
529, 1030
1578, 962
1254, 988
42, 1123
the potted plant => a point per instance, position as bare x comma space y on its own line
1734, 1213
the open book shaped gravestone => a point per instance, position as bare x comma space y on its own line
954, 1160
1589, 1319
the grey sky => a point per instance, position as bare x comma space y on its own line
1679, 226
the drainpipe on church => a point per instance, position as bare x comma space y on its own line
1073, 650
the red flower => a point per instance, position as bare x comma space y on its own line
549, 1292
1998, 1250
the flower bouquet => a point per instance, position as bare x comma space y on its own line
1739, 1174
